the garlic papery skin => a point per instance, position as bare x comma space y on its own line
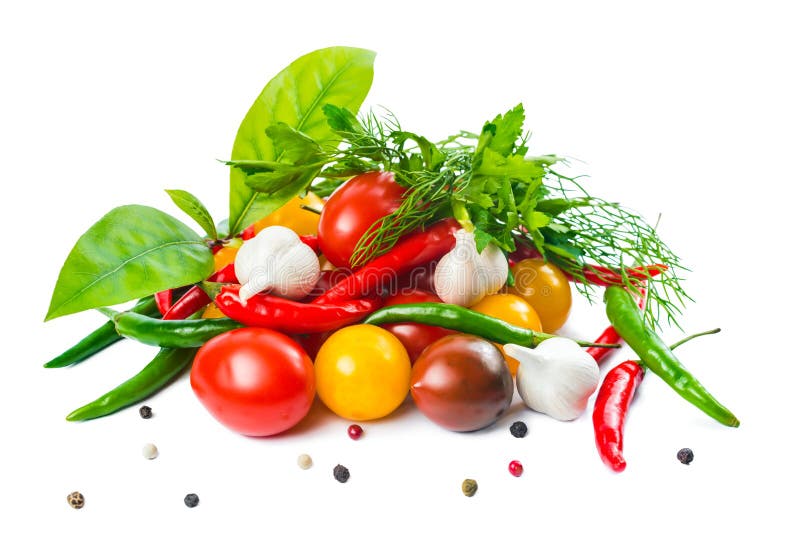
556, 378
464, 277
496, 265
275, 260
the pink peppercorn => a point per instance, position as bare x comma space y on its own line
515, 468
355, 431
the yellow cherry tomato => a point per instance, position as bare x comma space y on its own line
292, 216
362, 372
511, 309
545, 287
212, 312
226, 255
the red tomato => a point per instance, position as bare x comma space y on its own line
352, 209
255, 381
415, 337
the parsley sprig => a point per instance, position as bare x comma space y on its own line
489, 183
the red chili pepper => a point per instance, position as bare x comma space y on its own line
594, 274
289, 316
411, 252
609, 336
249, 232
194, 299
312, 241
610, 408
163, 301
603, 276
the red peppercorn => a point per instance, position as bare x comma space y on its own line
355, 431
515, 468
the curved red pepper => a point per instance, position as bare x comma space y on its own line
412, 251
610, 408
163, 301
289, 316
194, 299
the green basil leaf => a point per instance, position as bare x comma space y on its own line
195, 209
338, 75
133, 251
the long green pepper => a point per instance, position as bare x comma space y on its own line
100, 339
167, 364
467, 321
177, 334
626, 318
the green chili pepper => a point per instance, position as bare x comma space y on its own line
178, 334
626, 318
466, 321
167, 364
100, 339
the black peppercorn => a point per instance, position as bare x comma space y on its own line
191, 500
519, 429
146, 412
685, 456
341, 473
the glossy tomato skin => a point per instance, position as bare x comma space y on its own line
293, 216
513, 310
352, 209
362, 372
545, 287
255, 381
415, 337
461, 382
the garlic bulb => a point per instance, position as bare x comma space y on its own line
464, 277
556, 378
276, 260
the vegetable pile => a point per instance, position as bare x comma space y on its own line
361, 262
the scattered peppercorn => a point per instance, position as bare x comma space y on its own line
685, 456
515, 468
354, 431
304, 461
149, 451
191, 500
75, 499
469, 487
146, 412
341, 473
519, 429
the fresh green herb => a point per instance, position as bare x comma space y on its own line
191, 206
490, 184
294, 98
130, 253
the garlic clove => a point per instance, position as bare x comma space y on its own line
276, 260
460, 277
556, 378
496, 265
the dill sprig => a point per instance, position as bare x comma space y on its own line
490, 184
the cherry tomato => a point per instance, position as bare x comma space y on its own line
255, 381
352, 209
511, 309
291, 215
462, 383
545, 287
226, 255
415, 337
362, 372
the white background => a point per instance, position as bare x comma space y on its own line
689, 110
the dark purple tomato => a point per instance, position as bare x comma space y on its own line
461, 382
